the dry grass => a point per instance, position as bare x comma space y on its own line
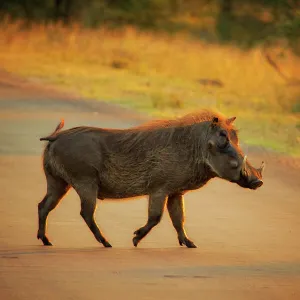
160, 74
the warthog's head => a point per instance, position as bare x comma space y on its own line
226, 159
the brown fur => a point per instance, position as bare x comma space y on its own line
162, 159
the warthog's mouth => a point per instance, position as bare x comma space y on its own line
256, 184
250, 177
249, 183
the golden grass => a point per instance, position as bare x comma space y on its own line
159, 74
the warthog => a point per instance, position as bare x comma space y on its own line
161, 159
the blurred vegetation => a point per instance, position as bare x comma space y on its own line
168, 57
246, 23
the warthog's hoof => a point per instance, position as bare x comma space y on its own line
106, 244
47, 243
44, 239
187, 243
138, 236
135, 241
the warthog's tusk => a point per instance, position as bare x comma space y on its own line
261, 168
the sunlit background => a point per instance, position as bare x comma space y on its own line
167, 57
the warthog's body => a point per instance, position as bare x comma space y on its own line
162, 159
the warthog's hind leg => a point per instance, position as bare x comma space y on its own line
176, 211
56, 189
155, 211
88, 196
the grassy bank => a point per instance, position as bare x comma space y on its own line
163, 76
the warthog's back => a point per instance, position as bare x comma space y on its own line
126, 163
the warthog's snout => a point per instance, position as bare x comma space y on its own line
256, 184
251, 177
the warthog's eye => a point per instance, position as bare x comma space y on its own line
223, 139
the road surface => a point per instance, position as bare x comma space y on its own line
248, 241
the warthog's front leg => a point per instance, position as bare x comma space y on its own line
176, 211
87, 193
156, 207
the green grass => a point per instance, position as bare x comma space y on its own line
159, 75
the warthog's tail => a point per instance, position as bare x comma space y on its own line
52, 137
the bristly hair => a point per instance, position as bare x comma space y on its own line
200, 116
186, 120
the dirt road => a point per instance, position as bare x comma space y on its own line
248, 241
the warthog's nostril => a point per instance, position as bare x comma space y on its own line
256, 184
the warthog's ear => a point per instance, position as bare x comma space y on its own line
215, 121
230, 120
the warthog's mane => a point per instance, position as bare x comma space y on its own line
162, 130
186, 120
173, 131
